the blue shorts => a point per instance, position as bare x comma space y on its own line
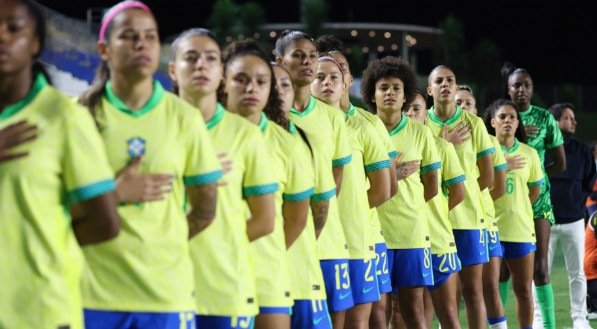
95, 319
381, 264
513, 250
310, 314
493, 244
336, 277
225, 322
410, 267
363, 281
443, 266
275, 310
472, 246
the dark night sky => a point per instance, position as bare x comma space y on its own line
555, 43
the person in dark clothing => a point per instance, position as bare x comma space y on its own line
569, 190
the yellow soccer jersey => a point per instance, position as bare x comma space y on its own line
326, 130
368, 155
294, 172
148, 267
403, 218
440, 228
513, 211
222, 261
382, 134
468, 215
499, 164
66, 164
305, 273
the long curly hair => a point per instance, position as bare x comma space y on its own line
388, 67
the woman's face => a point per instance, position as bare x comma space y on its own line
520, 89
197, 66
505, 121
300, 58
442, 85
248, 81
284, 88
18, 42
344, 65
328, 85
133, 46
465, 100
417, 109
389, 94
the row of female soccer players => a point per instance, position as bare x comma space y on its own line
323, 208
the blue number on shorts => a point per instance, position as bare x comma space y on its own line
451, 259
493, 237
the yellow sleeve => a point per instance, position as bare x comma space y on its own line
498, 158
300, 173
430, 160
202, 166
480, 137
387, 141
342, 154
452, 172
375, 156
257, 179
87, 173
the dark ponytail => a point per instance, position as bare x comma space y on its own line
94, 94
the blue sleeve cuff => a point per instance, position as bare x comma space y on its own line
501, 167
342, 161
455, 180
537, 183
202, 179
296, 197
393, 154
91, 191
324, 196
431, 167
258, 190
377, 166
486, 152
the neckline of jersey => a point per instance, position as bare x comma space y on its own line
450, 120
513, 148
400, 125
217, 117
307, 110
38, 84
156, 97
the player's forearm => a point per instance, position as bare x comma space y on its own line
319, 209
203, 200
96, 220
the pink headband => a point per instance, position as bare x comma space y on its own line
331, 59
117, 9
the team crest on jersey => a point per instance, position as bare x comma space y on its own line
136, 147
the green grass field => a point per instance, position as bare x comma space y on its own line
559, 281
